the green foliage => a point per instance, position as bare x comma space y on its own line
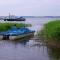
51, 31
7, 26
22, 25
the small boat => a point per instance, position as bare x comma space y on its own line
14, 34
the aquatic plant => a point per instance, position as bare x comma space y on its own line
7, 26
51, 32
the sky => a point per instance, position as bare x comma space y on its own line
30, 7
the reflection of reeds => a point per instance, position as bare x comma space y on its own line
54, 53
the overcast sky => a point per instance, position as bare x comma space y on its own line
30, 7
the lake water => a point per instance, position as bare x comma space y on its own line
29, 48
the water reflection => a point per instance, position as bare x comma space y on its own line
29, 48
54, 53
23, 49
23, 41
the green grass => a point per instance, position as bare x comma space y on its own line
7, 26
51, 31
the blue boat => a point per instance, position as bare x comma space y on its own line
16, 33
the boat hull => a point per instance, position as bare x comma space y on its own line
20, 36
17, 37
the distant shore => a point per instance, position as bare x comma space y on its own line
3, 17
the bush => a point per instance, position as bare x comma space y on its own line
51, 31
7, 26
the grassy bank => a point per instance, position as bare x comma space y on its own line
7, 26
51, 33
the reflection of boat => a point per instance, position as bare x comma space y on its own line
17, 33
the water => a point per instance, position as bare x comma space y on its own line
29, 48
